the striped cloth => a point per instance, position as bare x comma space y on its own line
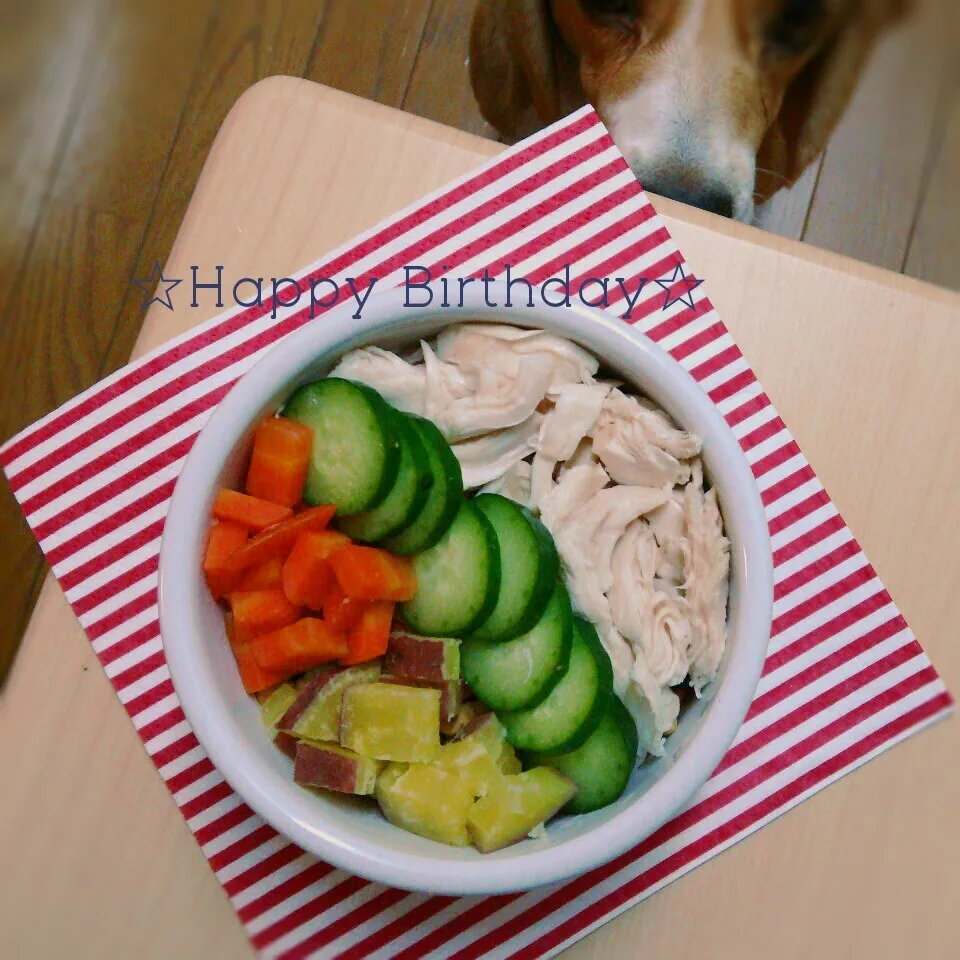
844, 679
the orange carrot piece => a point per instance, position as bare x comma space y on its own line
340, 611
371, 574
368, 639
250, 512
267, 576
224, 541
278, 463
303, 645
254, 677
307, 574
278, 540
256, 612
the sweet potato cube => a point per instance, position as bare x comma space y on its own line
334, 768
467, 713
286, 743
276, 702
475, 756
516, 804
316, 711
508, 761
391, 722
427, 661
422, 658
426, 800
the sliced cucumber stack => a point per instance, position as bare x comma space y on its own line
602, 765
406, 499
443, 499
574, 707
529, 564
356, 450
520, 673
458, 579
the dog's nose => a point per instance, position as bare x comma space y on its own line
711, 197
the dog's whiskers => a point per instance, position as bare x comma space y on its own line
773, 173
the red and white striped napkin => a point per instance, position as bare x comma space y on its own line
844, 679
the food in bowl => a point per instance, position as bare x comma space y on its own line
578, 589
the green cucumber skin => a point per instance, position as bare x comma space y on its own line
306, 406
539, 728
486, 664
601, 767
422, 613
588, 633
519, 535
443, 501
391, 518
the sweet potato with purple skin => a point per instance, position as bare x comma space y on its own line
432, 662
333, 768
287, 744
422, 658
467, 713
316, 711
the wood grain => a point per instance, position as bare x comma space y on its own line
440, 86
934, 253
873, 170
369, 49
865, 869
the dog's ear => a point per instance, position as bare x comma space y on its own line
818, 96
513, 66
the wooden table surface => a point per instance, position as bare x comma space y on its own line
861, 364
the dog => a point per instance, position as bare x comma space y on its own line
716, 103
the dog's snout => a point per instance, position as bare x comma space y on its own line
711, 197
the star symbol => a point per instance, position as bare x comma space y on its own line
151, 287
686, 284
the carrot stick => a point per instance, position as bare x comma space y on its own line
368, 639
254, 677
250, 512
278, 540
371, 574
266, 576
224, 541
340, 611
260, 611
307, 574
303, 645
279, 461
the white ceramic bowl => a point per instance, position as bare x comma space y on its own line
353, 835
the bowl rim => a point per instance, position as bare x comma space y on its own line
384, 316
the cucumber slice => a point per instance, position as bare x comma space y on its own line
574, 707
457, 579
356, 451
601, 767
443, 500
407, 495
520, 673
530, 568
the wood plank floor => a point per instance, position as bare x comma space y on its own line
108, 109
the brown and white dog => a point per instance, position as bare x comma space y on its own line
717, 103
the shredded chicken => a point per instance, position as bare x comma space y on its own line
616, 482
706, 569
489, 457
640, 446
514, 484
